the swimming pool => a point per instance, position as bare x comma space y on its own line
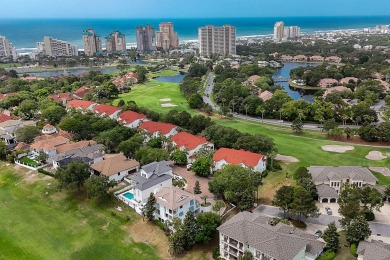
128, 195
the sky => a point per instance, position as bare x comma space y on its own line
189, 8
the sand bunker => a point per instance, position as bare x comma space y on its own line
385, 171
375, 156
286, 158
168, 105
337, 148
165, 100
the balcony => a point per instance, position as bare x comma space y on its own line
233, 242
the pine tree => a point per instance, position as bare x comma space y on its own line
150, 207
331, 237
189, 229
197, 188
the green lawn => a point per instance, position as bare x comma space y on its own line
169, 72
343, 253
29, 161
9, 65
307, 147
39, 222
382, 180
150, 93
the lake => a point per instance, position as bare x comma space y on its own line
173, 79
296, 94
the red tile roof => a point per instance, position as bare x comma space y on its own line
4, 96
154, 127
237, 157
80, 104
129, 117
106, 109
82, 91
4, 117
189, 141
60, 97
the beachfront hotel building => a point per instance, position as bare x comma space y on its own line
146, 38
167, 38
279, 31
292, 32
56, 48
92, 42
217, 40
7, 50
115, 42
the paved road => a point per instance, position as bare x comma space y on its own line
206, 98
208, 90
378, 108
324, 220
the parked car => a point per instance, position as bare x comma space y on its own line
189, 166
318, 233
328, 210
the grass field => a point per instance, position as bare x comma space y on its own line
29, 161
169, 72
344, 253
38, 222
307, 147
150, 93
382, 180
9, 65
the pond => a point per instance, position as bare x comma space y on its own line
173, 79
296, 94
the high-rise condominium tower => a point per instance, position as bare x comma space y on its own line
146, 38
57, 48
115, 42
292, 32
220, 40
279, 31
7, 50
167, 38
92, 42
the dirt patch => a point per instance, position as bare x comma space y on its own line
375, 156
168, 105
286, 158
268, 190
148, 233
337, 148
165, 100
385, 171
33, 176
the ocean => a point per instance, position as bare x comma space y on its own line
24, 33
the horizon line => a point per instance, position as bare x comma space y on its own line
187, 18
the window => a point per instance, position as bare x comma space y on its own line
181, 214
181, 207
119, 173
192, 202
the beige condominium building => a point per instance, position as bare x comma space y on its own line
115, 42
92, 42
167, 38
219, 40
57, 48
292, 32
278, 31
7, 50
146, 38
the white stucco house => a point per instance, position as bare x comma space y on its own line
115, 166
173, 202
157, 129
253, 232
131, 119
190, 144
150, 179
225, 156
107, 110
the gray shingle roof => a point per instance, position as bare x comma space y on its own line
326, 173
325, 191
159, 174
157, 167
90, 151
280, 242
374, 250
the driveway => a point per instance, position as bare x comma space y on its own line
208, 91
191, 179
333, 206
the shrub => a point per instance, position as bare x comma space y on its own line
328, 255
178, 183
216, 253
368, 215
298, 224
353, 250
